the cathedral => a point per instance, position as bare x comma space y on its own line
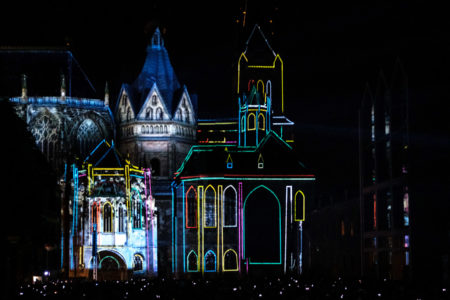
142, 194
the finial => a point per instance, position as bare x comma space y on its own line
63, 86
157, 41
24, 88
106, 94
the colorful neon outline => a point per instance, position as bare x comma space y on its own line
273, 66
215, 207
279, 220
224, 207
215, 260
187, 207
224, 269
111, 223
263, 122
229, 162
200, 227
196, 259
251, 124
296, 218
260, 161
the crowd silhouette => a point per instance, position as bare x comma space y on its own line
281, 287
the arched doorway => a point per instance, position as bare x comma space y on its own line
262, 227
111, 266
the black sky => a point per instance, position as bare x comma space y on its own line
330, 51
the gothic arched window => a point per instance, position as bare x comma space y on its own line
209, 219
159, 113
128, 114
251, 121
149, 113
88, 136
191, 208
261, 122
136, 209
122, 218
138, 262
107, 217
229, 207
45, 131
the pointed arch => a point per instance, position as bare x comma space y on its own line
243, 124
262, 85
191, 207
261, 122
299, 206
192, 261
210, 261
122, 218
262, 227
229, 209
230, 261
149, 113
108, 217
268, 90
138, 262
137, 208
210, 207
251, 121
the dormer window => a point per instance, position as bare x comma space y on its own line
229, 162
260, 162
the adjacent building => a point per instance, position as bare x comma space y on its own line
239, 207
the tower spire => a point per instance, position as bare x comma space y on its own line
157, 41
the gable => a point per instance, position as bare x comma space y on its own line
185, 110
154, 108
124, 110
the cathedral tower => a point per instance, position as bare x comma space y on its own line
156, 114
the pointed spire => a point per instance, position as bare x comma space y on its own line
24, 87
63, 86
256, 27
157, 41
106, 94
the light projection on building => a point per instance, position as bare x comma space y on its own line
113, 222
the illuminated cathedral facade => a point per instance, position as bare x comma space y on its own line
157, 202
113, 230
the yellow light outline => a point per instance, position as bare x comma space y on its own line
219, 200
248, 122
295, 206
215, 207
264, 121
112, 216
223, 261
200, 227
273, 66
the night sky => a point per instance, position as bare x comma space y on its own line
330, 52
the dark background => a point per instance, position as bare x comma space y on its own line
330, 51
